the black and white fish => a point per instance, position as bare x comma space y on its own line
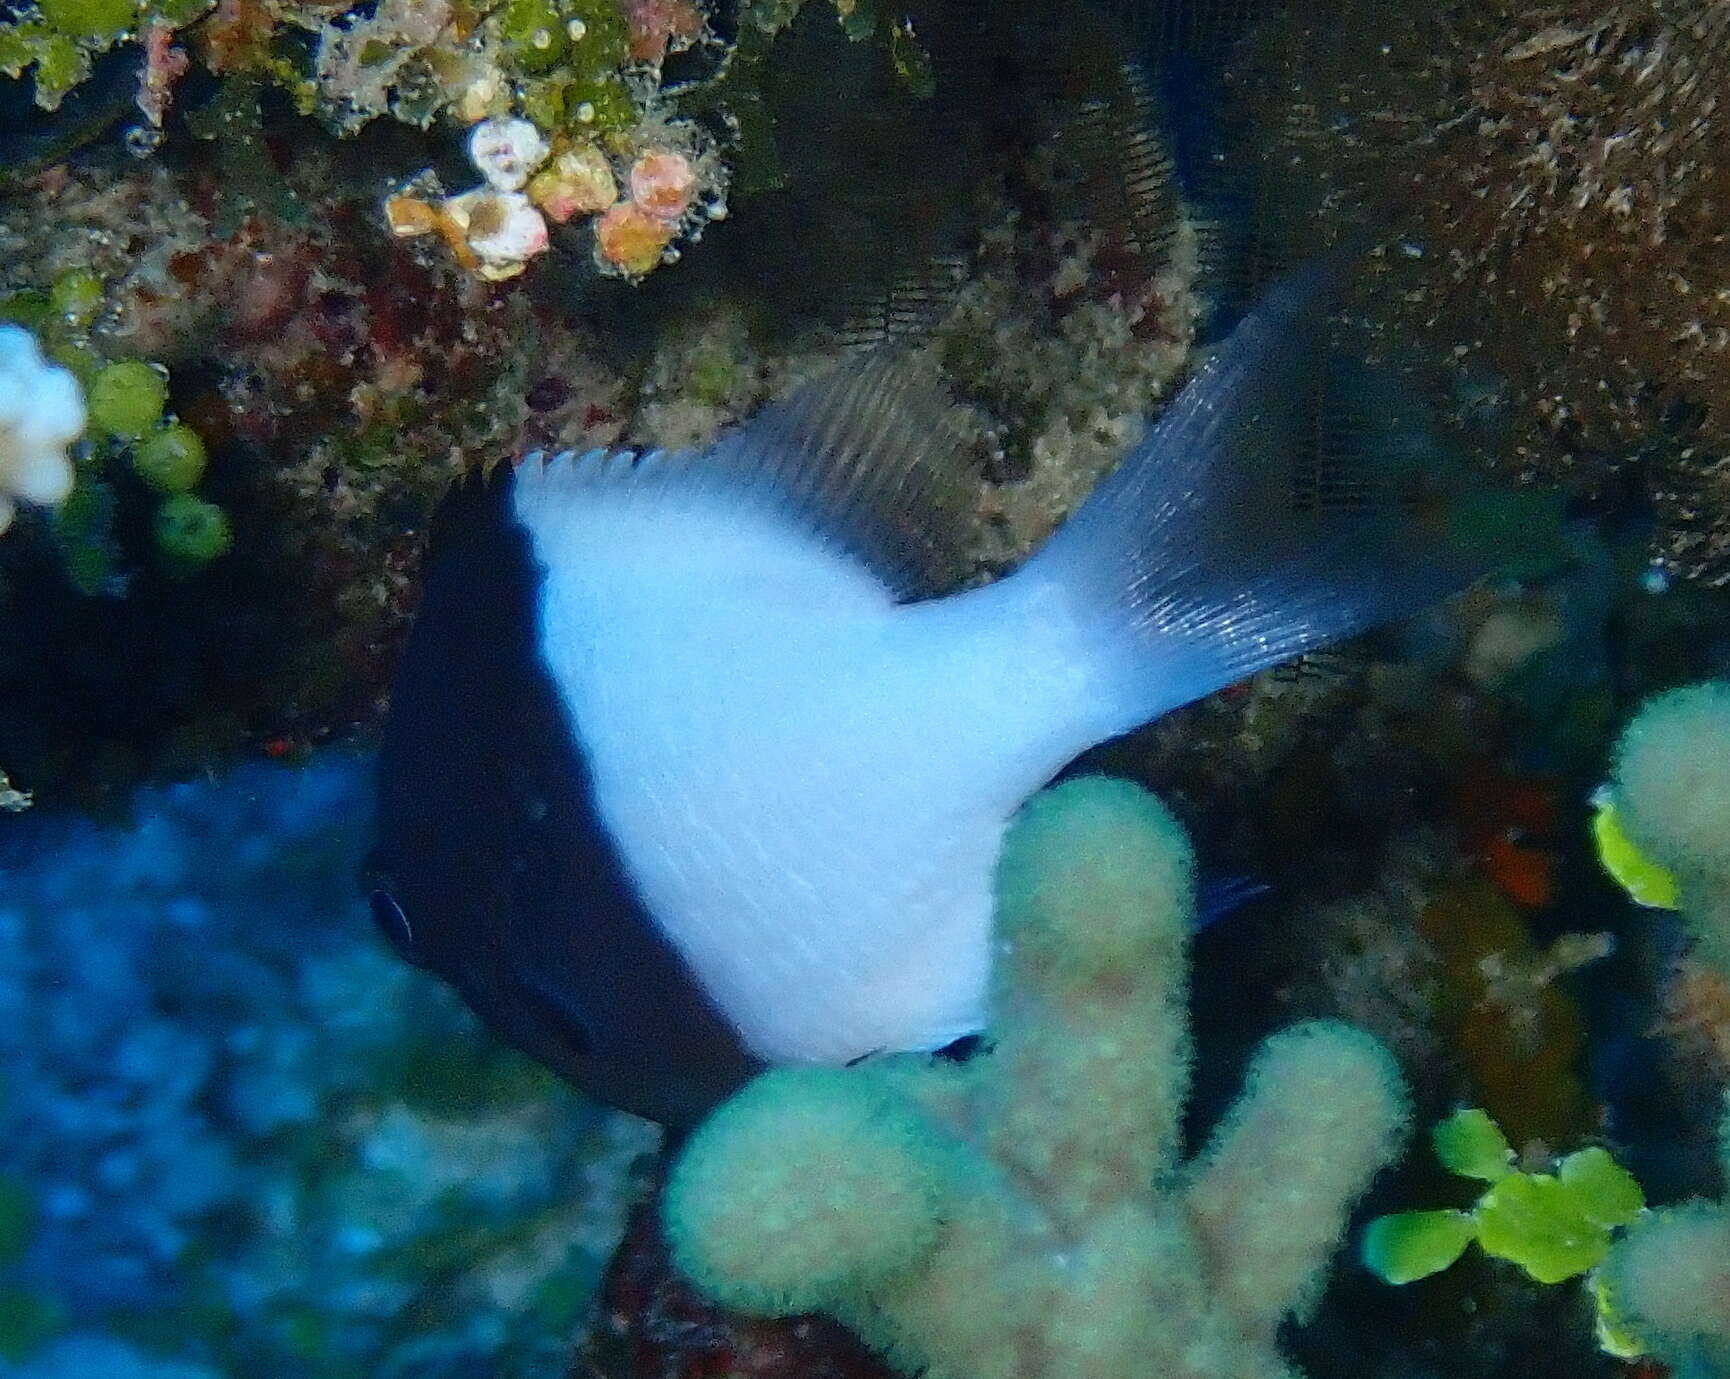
688, 770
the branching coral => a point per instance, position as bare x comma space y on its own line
1661, 834
1668, 1280
1025, 1213
1670, 788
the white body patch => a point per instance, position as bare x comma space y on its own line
807, 782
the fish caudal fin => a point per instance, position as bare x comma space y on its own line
1271, 509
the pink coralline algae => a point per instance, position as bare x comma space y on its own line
663, 184
657, 25
632, 237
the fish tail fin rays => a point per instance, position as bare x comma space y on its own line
1282, 501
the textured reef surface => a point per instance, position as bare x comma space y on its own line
274, 273
241, 1138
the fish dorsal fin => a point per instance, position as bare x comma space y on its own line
1131, 181
903, 311
874, 456
871, 458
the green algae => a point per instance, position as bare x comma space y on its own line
170, 460
1410, 1245
1534, 1221
59, 62
129, 419
1552, 1226
27, 308
1472, 1145
76, 295
585, 39
88, 19
126, 399
191, 531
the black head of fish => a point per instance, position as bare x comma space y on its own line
493, 868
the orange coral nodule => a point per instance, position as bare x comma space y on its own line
630, 240
409, 215
1511, 823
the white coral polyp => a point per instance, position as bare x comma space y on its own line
41, 415
503, 229
506, 152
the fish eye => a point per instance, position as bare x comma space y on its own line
393, 922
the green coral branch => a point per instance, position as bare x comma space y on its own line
1668, 1277
1667, 1282
1026, 1214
